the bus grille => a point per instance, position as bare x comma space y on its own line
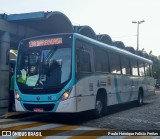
45, 107
40, 91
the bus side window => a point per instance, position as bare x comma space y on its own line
141, 68
147, 70
114, 60
125, 63
134, 66
83, 61
101, 60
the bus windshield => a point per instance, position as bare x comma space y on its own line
45, 67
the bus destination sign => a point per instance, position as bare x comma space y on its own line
45, 42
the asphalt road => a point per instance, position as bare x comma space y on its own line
123, 117
130, 117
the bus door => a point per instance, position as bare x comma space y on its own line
84, 86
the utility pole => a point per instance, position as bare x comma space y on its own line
138, 22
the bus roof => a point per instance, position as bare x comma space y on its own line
100, 44
112, 48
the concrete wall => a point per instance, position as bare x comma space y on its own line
4, 71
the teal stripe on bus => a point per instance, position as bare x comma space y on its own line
116, 90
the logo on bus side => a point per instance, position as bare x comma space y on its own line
38, 98
109, 80
52, 98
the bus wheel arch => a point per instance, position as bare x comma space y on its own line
101, 103
140, 100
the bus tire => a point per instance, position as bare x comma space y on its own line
140, 100
100, 108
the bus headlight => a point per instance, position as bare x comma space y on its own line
65, 95
17, 96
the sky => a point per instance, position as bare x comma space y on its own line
112, 17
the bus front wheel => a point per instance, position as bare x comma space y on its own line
99, 107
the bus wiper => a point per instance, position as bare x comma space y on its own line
51, 53
38, 88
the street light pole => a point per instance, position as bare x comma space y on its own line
138, 22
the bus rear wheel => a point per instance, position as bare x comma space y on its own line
100, 108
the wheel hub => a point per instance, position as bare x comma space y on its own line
140, 99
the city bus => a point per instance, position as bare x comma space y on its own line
71, 73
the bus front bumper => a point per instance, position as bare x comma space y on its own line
68, 106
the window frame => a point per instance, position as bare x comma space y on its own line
95, 62
129, 62
119, 61
143, 68
134, 60
90, 56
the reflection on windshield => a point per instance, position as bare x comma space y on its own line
44, 68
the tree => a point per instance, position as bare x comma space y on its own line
150, 53
156, 64
158, 57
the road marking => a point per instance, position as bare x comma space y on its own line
60, 131
14, 124
10, 122
13, 114
4, 120
45, 127
74, 132
20, 127
53, 131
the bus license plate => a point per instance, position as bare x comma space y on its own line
38, 109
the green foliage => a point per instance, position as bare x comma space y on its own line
156, 66
158, 57
156, 63
156, 71
150, 53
